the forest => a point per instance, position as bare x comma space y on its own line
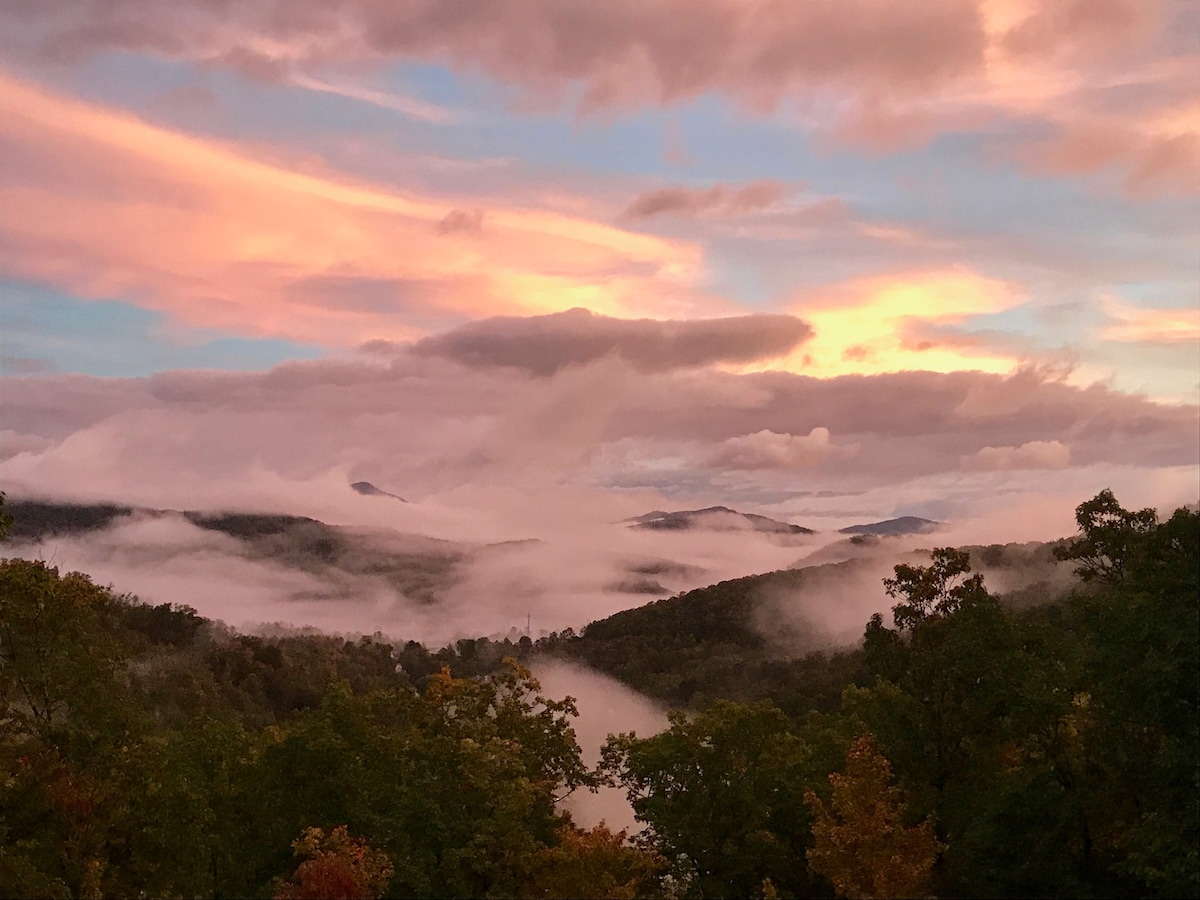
968, 746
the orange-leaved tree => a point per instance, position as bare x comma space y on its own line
336, 865
862, 846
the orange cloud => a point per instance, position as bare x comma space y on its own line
861, 327
1069, 63
1154, 326
106, 205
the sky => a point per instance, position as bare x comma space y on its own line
537, 267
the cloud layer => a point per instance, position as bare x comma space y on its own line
492, 425
1105, 84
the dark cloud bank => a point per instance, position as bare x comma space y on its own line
543, 345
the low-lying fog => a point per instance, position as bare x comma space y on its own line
605, 707
410, 587
563, 574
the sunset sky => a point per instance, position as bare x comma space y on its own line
833, 260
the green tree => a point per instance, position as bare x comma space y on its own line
942, 676
933, 591
61, 663
67, 722
1109, 536
722, 794
1145, 703
458, 785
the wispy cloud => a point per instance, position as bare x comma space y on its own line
718, 200
408, 106
107, 205
423, 425
1148, 325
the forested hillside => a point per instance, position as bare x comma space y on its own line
732, 641
968, 746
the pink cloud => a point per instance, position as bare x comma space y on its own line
1030, 455
878, 74
461, 221
767, 449
424, 425
1153, 158
623, 53
106, 205
1090, 28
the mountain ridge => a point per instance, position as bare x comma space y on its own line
714, 518
900, 525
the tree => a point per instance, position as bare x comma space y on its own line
951, 658
5, 520
722, 794
458, 784
862, 846
1109, 538
59, 656
1145, 637
335, 866
934, 591
67, 721
596, 863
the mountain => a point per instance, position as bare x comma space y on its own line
714, 518
369, 490
33, 519
345, 561
902, 525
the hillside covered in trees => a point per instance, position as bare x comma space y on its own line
1044, 744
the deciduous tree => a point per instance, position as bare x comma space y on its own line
862, 845
335, 866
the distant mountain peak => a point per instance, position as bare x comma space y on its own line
369, 490
902, 525
714, 518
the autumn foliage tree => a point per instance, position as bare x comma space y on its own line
336, 865
596, 863
862, 845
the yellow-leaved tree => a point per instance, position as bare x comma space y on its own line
862, 845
